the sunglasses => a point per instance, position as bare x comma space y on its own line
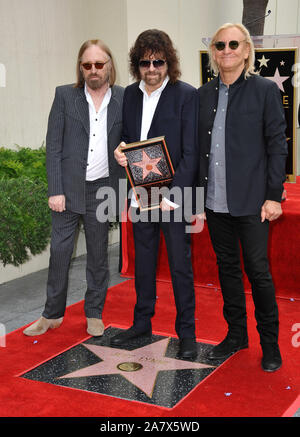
220, 45
157, 63
98, 65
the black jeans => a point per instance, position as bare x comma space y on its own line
229, 235
178, 244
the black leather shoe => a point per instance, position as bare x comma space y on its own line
228, 346
271, 360
127, 335
187, 348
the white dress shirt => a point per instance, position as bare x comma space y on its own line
97, 161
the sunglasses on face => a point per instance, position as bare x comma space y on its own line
98, 65
157, 63
220, 45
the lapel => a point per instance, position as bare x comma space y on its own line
163, 97
82, 108
139, 111
112, 110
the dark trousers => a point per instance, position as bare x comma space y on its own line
64, 228
146, 241
230, 235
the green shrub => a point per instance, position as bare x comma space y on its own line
25, 220
23, 162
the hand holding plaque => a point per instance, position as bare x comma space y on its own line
149, 169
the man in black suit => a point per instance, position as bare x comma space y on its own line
159, 104
84, 127
242, 168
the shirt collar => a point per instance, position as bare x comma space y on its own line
237, 82
158, 90
106, 97
222, 84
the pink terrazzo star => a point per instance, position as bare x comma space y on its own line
148, 360
148, 164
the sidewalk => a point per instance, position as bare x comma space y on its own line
22, 300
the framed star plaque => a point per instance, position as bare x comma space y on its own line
149, 170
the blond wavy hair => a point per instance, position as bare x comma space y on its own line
249, 62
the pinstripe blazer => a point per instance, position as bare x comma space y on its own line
67, 143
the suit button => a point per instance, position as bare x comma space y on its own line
207, 155
209, 132
205, 178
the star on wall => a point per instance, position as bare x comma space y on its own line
263, 62
140, 366
278, 79
148, 164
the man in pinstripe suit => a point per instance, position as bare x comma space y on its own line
84, 128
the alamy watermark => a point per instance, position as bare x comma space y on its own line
296, 76
296, 337
2, 76
188, 202
2, 335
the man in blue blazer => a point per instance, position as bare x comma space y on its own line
84, 127
158, 104
243, 152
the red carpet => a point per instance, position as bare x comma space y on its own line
238, 388
283, 251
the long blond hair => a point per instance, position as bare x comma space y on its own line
104, 47
249, 62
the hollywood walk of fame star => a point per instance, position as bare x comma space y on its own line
278, 79
140, 366
148, 164
263, 62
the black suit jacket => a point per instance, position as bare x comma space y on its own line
67, 144
175, 118
255, 142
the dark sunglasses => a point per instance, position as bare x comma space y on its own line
220, 45
157, 63
98, 65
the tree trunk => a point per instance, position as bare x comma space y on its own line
253, 10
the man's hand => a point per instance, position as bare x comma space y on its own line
271, 210
57, 203
120, 156
198, 220
200, 217
165, 206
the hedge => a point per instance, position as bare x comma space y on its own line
25, 220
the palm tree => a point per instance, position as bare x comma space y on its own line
254, 9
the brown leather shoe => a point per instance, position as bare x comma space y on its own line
95, 327
42, 325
